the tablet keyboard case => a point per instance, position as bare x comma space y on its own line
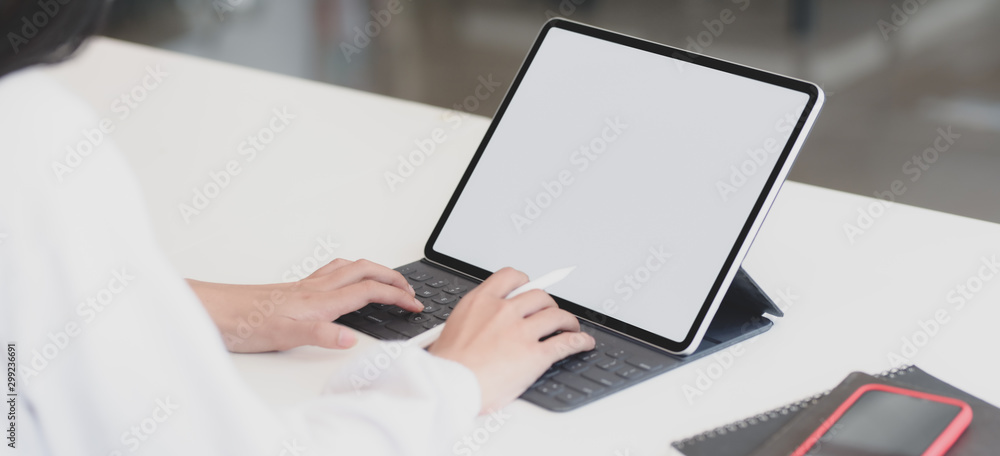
740, 317
615, 364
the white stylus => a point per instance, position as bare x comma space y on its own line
426, 338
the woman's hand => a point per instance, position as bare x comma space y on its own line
500, 339
260, 318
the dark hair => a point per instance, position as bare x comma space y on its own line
45, 31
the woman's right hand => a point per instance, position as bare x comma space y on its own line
500, 339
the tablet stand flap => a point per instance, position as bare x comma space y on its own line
740, 315
744, 292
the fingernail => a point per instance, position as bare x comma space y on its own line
418, 303
346, 338
411, 288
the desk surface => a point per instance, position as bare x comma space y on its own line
320, 182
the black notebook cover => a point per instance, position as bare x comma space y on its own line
744, 437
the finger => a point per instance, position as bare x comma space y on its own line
502, 282
288, 333
566, 344
366, 270
533, 301
550, 320
357, 295
329, 267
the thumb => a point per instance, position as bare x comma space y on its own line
294, 333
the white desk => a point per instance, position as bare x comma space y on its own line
323, 176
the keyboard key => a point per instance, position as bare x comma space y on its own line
431, 308
645, 362
418, 318
352, 319
455, 289
406, 270
443, 313
405, 328
421, 276
381, 333
617, 353
607, 363
578, 383
588, 355
416, 285
602, 377
630, 373
437, 283
426, 293
432, 323
398, 311
570, 397
445, 299
377, 318
575, 366
549, 388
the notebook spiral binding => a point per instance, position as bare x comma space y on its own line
783, 410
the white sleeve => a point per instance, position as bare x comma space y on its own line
115, 354
429, 392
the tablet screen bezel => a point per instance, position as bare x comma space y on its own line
752, 224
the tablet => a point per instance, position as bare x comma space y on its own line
647, 167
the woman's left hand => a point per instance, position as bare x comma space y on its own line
260, 318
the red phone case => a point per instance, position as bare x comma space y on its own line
940, 445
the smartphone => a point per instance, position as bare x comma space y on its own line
879, 420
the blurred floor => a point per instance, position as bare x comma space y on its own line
895, 72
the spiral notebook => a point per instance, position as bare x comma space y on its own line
776, 429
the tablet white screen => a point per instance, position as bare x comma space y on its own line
638, 169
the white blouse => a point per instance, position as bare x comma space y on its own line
116, 356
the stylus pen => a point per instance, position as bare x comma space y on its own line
426, 338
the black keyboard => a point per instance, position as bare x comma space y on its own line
438, 290
614, 364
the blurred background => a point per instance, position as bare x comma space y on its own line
897, 73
